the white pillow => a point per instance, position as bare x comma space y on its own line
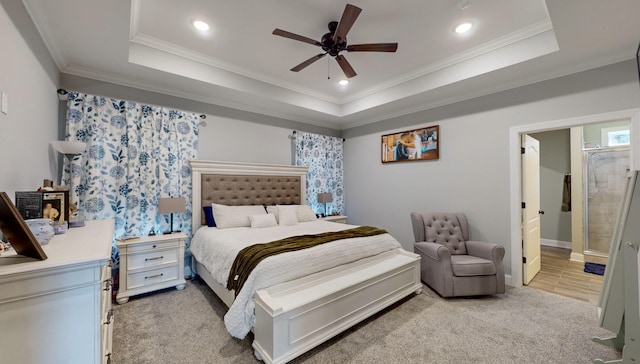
235, 216
263, 220
287, 215
305, 213
273, 209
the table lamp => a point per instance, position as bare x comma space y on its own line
171, 205
70, 149
325, 198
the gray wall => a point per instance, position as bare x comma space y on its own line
25, 131
555, 161
472, 174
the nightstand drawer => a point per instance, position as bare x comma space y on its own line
150, 277
152, 258
154, 245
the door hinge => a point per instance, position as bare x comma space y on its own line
524, 260
524, 205
521, 150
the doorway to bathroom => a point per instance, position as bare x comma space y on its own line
593, 160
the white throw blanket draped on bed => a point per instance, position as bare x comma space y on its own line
216, 249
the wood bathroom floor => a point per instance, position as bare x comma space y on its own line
561, 276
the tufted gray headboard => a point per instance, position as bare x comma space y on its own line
234, 183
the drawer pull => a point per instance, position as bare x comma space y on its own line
154, 246
156, 258
108, 284
154, 276
109, 316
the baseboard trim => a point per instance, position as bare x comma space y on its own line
507, 280
577, 257
556, 243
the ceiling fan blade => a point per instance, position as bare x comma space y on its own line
284, 33
349, 16
346, 67
304, 64
375, 47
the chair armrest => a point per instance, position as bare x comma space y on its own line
485, 249
437, 252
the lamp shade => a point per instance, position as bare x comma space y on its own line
325, 197
169, 205
68, 147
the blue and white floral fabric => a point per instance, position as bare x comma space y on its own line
135, 154
324, 156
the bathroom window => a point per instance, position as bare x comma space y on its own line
616, 136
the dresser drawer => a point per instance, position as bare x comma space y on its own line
152, 258
153, 245
146, 278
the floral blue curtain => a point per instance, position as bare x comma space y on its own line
135, 154
324, 156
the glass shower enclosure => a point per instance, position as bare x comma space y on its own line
605, 179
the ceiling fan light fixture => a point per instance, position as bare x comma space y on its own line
343, 82
200, 25
464, 27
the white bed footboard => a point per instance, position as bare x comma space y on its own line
295, 316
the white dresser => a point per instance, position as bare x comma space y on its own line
58, 310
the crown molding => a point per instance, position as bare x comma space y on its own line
498, 43
173, 49
49, 40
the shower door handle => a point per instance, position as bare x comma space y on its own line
541, 212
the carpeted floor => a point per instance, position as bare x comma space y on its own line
524, 325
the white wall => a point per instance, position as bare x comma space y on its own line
31, 122
473, 172
226, 139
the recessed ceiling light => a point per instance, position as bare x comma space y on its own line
200, 25
464, 27
343, 82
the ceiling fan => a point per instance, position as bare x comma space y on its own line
335, 41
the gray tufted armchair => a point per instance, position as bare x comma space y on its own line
451, 264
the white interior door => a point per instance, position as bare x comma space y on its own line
531, 209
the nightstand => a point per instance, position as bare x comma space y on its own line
150, 263
335, 218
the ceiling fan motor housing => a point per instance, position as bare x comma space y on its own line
328, 45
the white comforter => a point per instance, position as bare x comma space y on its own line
216, 249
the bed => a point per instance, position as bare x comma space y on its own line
293, 310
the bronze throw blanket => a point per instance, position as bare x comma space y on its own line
249, 257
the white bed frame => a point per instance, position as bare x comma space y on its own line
293, 317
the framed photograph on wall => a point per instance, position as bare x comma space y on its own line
411, 145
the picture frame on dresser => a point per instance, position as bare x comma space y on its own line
53, 205
16, 232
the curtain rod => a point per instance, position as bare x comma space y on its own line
294, 136
62, 93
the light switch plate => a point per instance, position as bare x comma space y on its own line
5, 103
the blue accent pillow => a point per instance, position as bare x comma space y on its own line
208, 216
